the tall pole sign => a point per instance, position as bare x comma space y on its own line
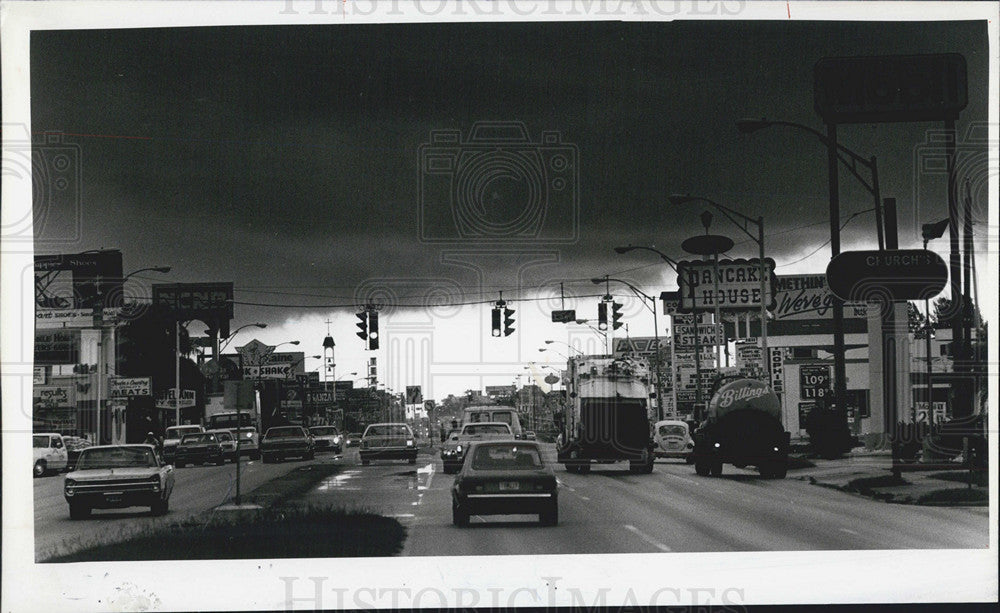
887, 89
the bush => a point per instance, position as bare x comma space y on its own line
828, 433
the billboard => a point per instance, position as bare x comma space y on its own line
800, 297
57, 346
123, 387
77, 281
738, 285
211, 303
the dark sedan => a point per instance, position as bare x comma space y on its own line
504, 478
282, 442
198, 449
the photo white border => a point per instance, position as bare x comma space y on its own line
742, 578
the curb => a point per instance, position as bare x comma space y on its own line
892, 498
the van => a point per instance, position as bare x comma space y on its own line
494, 413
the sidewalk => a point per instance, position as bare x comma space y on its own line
870, 475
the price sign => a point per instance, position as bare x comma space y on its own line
814, 381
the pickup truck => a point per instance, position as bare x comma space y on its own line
457, 445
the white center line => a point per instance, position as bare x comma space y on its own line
849, 531
683, 479
647, 538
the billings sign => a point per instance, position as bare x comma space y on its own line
738, 288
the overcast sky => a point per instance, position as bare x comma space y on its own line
291, 161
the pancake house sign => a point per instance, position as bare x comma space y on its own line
808, 297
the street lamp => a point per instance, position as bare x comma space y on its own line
656, 332
759, 239
673, 266
232, 335
549, 342
848, 158
930, 231
836, 153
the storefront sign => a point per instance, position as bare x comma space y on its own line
738, 288
123, 387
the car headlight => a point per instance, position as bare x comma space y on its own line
336, 440
70, 484
458, 449
409, 442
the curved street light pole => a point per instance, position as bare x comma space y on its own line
848, 158
732, 216
673, 385
656, 334
232, 335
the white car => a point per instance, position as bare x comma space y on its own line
50, 453
326, 438
672, 439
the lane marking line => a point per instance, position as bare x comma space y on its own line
647, 538
849, 531
692, 482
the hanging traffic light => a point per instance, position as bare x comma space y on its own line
602, 315
508, 322
373, 330
362, 325
616, 314
496, 321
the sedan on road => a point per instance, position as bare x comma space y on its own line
198, 449
672, 439
389, 441
228, 441
326, 438
282, 442
453, 450
353, 439
173, 437
504, 478
118, 477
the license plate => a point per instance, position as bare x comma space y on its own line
509, 485
114, 496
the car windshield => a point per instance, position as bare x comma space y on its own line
504, 417
116, 457
227, 421
199, 438
390, 430
178, 432
223, 436
506, 457
324, 431
40, 442
486, 429
675, 430
283, 432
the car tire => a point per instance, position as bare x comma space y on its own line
584, 468
550, 516
365, 462
774, 469
689, 459
221, 461
39, 469
459, 516
160, 508
715, 468
78, 510
701, 467
255, 455
180, 465
311, 455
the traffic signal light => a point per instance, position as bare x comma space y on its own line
616, 314
508, 321
363, 325
373, 330
602, 315
496, 321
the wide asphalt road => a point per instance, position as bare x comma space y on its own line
613, 511
196, 489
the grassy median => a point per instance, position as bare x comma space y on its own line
277, 532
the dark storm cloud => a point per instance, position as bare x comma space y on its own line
290, 154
